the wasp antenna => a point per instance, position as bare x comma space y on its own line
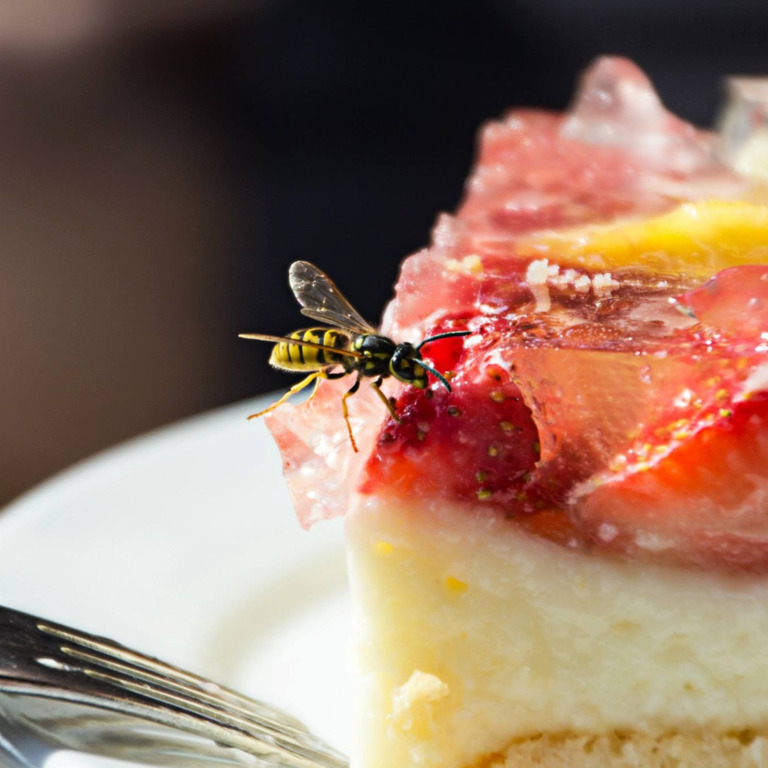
445, 335
436, 374
261, 337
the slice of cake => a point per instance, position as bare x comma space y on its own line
563, 560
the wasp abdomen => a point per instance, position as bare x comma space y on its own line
298, 357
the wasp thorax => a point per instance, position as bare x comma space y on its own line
377, 351
405, 366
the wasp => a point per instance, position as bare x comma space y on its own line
344, 345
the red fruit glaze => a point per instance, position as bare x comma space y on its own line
621, 414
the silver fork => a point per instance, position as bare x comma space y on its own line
61, 688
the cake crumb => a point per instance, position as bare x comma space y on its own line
536, 277
542, 273
537, 272
414, 702
582, 283
604, 283
553, 270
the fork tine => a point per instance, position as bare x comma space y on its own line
206, 702
185, 696
138, 662
269, 741
55, 661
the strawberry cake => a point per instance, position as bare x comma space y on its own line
563, 560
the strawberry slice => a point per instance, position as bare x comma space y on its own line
693, 487
478, 441
702, 502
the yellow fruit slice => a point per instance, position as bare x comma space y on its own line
696, 238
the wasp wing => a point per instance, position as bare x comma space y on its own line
299, 342
322, 300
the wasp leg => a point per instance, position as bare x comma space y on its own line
384, 399
345, 411
323, 375
316, 376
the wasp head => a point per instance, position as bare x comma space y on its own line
405, 365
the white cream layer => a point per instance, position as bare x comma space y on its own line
470, 634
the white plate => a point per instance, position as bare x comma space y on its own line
183, 544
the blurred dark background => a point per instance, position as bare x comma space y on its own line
162, 163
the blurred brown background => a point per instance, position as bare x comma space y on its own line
161, 164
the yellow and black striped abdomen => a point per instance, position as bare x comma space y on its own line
295, 356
